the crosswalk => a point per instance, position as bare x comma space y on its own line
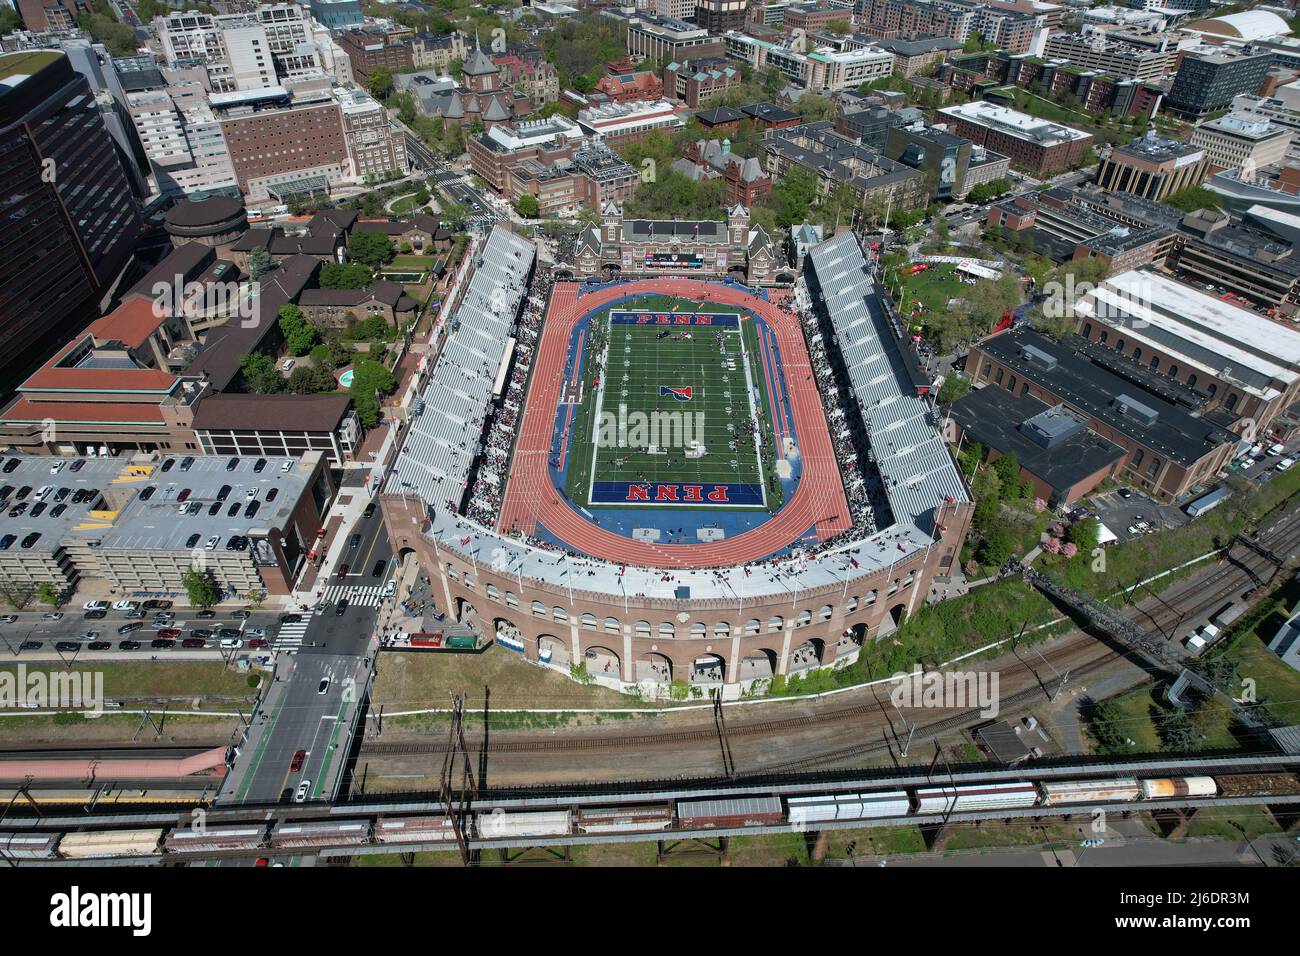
290, 636
364, 596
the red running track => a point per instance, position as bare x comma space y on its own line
531, 499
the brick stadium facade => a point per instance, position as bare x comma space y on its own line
671, 631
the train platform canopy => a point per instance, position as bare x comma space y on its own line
1001, 740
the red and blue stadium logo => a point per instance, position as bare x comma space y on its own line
681, 394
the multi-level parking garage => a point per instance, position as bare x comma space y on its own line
727, 612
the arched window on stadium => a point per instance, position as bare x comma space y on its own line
559, 614
893, 586
492, 592
1087, 330
722, 629
775, 623
805, 618
1231, 403
539, 609
642, 628
589, 621
512, 599
453, 573
666, 629
1119, 346
1173, 371
911, 576
826, 612
1104, 336
1212, 389
752, 626
1191, 381
1155, 361
1011, 384
699, 630
468, 580
612, 625
851, 605
1137, 355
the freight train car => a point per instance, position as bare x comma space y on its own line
657, 816
722, 814
323, 833
499, 825
215, 839
1089, 791
983, 796
415, 830
1163, 788
849, 806
1258, 784
111, 843
29, 846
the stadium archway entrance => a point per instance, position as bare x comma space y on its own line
897, 614
808, 654
737, 273
552, 650
611, 270
654, 667
758, 665
708, 670
563, 273
784, 278
602, 662
465, 611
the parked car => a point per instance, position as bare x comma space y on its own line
259, 644
99, 646
30, 646
67, 646
162, 643
194, 642
95, 605
95, 615
52, 616
125, 605
168, 632
128, 628
128, 645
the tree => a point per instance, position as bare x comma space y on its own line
370, 378
9, 21
983, 192
260, 263
1084, 534
348, 275
373, 248
795, 192
1008, 468
381, 83
455, 215
260, 374
954, 386
839, 27
526, 206
201, 587
50, 594
1193, 198
311, 380
996, 548
299, 334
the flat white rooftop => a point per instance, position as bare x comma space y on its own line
1015, 123
1221, 335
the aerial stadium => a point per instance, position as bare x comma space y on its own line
658, 482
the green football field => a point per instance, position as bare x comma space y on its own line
626, 431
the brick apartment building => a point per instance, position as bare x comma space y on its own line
1036, 145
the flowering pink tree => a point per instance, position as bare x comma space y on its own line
1040, 505
1069, 549
1052, 545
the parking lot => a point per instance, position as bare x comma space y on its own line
1119, 514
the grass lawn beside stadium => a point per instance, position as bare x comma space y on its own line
633, 409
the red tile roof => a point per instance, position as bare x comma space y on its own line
25, 410
131, 323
